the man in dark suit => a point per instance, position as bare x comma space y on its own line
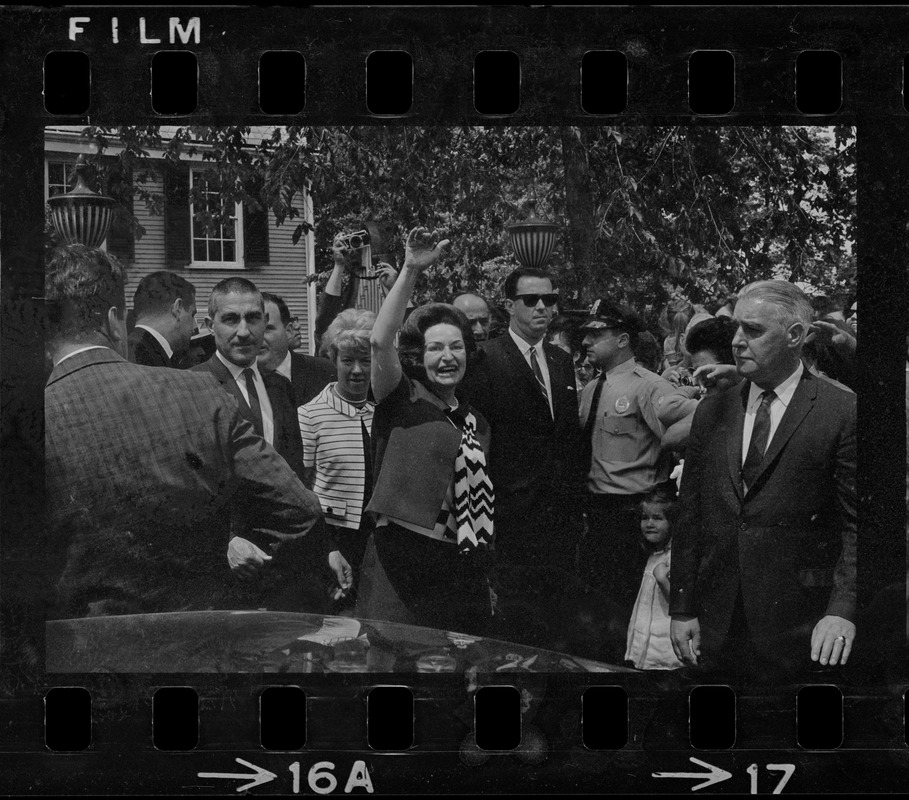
525, 387
165, 308
307, 374
141, 463
764, 558
237, 317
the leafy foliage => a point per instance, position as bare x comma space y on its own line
648, 213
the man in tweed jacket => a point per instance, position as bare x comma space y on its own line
141, 462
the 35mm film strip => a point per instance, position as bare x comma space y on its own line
539, 104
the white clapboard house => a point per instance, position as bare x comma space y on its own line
253, 246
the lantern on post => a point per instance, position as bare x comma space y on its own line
533, 239
81, 216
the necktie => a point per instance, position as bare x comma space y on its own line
254, 405
592, 421
538, 374
760, 435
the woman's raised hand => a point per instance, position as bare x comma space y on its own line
423, 249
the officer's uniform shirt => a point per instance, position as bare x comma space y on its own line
626, 435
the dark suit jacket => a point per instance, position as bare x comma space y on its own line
789, 544
288, 440
140, 465
309, 376
145, 349
534, 458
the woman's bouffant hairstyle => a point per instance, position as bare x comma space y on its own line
411, 341
350, 330
714, 335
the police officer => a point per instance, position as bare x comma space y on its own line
622, 434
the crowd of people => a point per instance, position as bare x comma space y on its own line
434, 468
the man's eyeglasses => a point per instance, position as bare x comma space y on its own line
530, 300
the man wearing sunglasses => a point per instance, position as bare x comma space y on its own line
525, 387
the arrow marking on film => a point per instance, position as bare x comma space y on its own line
259, 777
716, 775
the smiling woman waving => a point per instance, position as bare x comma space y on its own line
432, 497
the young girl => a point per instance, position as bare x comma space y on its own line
649, 646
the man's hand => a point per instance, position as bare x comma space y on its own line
343, 573
673, 375
708, 375
685, 634
244, 558
828, 333
423, 249
387, 275
340, 252
831, 640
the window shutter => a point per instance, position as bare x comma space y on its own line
255, 231
177, 231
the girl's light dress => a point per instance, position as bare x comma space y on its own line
648, 644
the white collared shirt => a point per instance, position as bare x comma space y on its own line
158, 338
525, 348
268, 416
284, 367
784, 393
82, 350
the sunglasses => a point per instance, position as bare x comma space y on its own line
530, 300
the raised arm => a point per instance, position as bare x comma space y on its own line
330, 302
422, 251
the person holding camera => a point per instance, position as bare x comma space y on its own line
709, 343
346, 262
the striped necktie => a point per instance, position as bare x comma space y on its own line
538, 374
760, 437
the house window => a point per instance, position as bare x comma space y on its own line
57, 177
221, 246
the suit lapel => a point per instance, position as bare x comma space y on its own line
520, 367
156, 346
801, 403
737, 402
557, 384
297, 376
226, 380
273, 388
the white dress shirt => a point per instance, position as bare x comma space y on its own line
268, 416
525, 348
284, 367
784, 393
82, 350
159, 339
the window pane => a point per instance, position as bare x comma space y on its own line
56, 178
199, 250
214, 250
229, 251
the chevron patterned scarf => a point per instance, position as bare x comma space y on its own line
474, 498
